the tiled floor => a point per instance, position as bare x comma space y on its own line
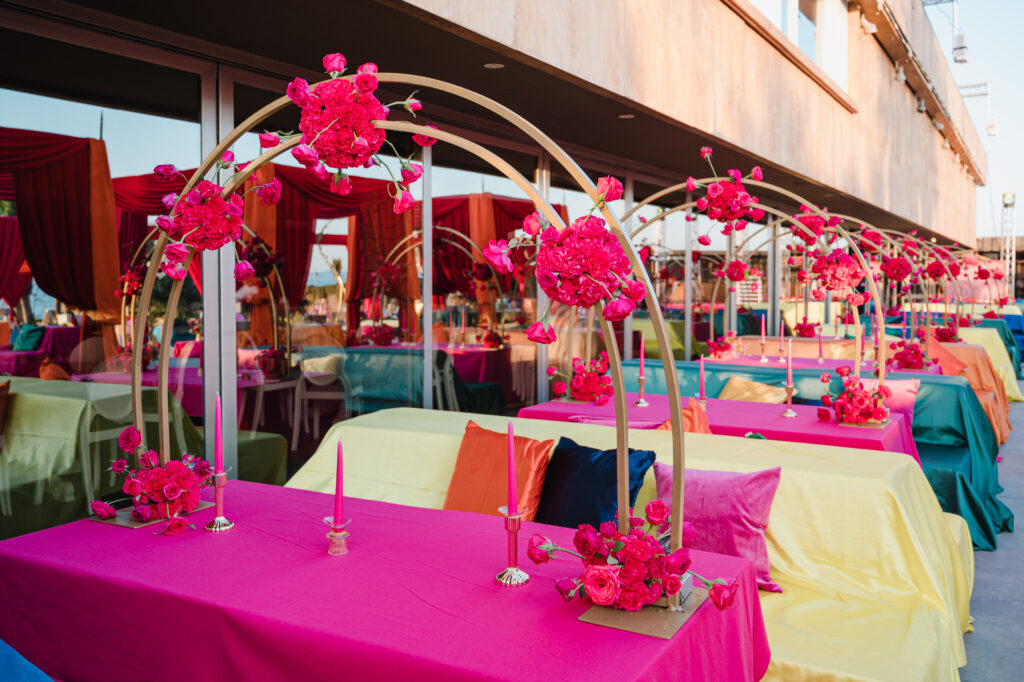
995, 650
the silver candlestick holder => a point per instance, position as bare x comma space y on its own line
764, 358
220, 523
789, 413
821, 359
513, 576
337, 536
641, 402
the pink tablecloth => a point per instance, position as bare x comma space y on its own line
736, 418
826, 365
414, 599
194, 349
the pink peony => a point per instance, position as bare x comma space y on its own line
102, 509
601, 584
129, 439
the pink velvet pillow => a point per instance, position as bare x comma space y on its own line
729, 512
904, 394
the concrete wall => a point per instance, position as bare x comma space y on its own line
699, 63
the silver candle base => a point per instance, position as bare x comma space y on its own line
337, 537
789, 412
513, 576
220, 525
640, 401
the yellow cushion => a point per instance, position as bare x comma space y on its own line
738, 388
480, 480
329, 364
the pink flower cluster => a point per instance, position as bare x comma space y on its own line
491, 339
815, 225
723, 347
590, 381
204, 220
837, 271
377, 334
806, 329
854, 405
897, 268
273, 363
261, 260
132, 280
160, 492
627, 571
907, 355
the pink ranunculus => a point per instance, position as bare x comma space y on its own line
566, 586
119, 466
403, 202
305, 155
723, 595
129, 439
411, 174
176, 526
298, 92
165, 172
423, 140
268, 140
102, 509
704, 240
244, 270
540, 332
601, 584
539, 549
334, 63
532, 224
618, 309
497, 254
609, 188
657, 512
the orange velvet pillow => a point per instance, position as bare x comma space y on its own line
480, 480
51, 371
695, 420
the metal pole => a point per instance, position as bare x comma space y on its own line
543, 182
688, 286
730, 301
427, 288
774, 279
627, 323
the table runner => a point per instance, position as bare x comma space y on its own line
737, 418
414, 599
955, 440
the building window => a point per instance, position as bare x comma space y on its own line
807, 28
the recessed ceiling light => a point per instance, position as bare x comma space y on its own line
494, 66
626, 117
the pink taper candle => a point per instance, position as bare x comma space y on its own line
463, 320
789, 363
820, 353
513, 489
782, 333
218, 440
763, 337
339, 490
641, 355
702, 377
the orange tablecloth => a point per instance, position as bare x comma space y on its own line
318, 335
982, 377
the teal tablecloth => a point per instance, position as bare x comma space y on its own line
954, 437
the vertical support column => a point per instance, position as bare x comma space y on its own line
730, 301
688, 283
774, 280
828, 308
427, 288
627, 323
543, 182
220, 339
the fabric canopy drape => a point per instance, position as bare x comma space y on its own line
61, 186
13, 282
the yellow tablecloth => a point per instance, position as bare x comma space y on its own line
989, 339
876, 584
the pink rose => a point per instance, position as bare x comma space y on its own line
566, 587
403, 202
119, 466
601, 584
175, 272
540, 332
826, 377
497, 254
843, 371
176, 526
678, 561
657, 512
672, 584
608, 529
129, 439
879, 414
149, 458
305, 155
368, 67
268, 140
102, 509
411, 174
705, 152
634, 290
168, 200
723, 595
691, 184
298, 92
413, 104
539, 549
618, 309
715, 190
132, 487
171, 491
757, 174
586, 540
334, 63
141, 513
227, 158
423, 140
244, 270
609, 188
165, 172
532, 224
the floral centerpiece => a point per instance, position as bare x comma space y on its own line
157, 492
123, 360
262, 259
589, 381
724, 346
132, 279
195, 327
581, 265
907, 355
806, 329
629, 571
490, 338
726, 201
273, 363
854, 405
377, 335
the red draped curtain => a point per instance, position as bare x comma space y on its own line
13, 282
66, 220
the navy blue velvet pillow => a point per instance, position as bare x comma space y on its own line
579, 486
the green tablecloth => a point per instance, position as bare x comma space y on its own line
954, 437
262, 457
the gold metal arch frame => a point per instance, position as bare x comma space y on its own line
585, 184
781, 218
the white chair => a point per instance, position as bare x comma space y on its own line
311, 390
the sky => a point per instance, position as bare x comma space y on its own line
995, 53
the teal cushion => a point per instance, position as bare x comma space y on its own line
30, 337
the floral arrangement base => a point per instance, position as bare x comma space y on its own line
125, 520
867, 425
653, 621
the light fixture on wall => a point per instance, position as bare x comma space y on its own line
627, 117
920, 105
494, 66
938, 126
945, 143
900, 76
867, 26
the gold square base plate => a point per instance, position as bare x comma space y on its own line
653, 621
125, 520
